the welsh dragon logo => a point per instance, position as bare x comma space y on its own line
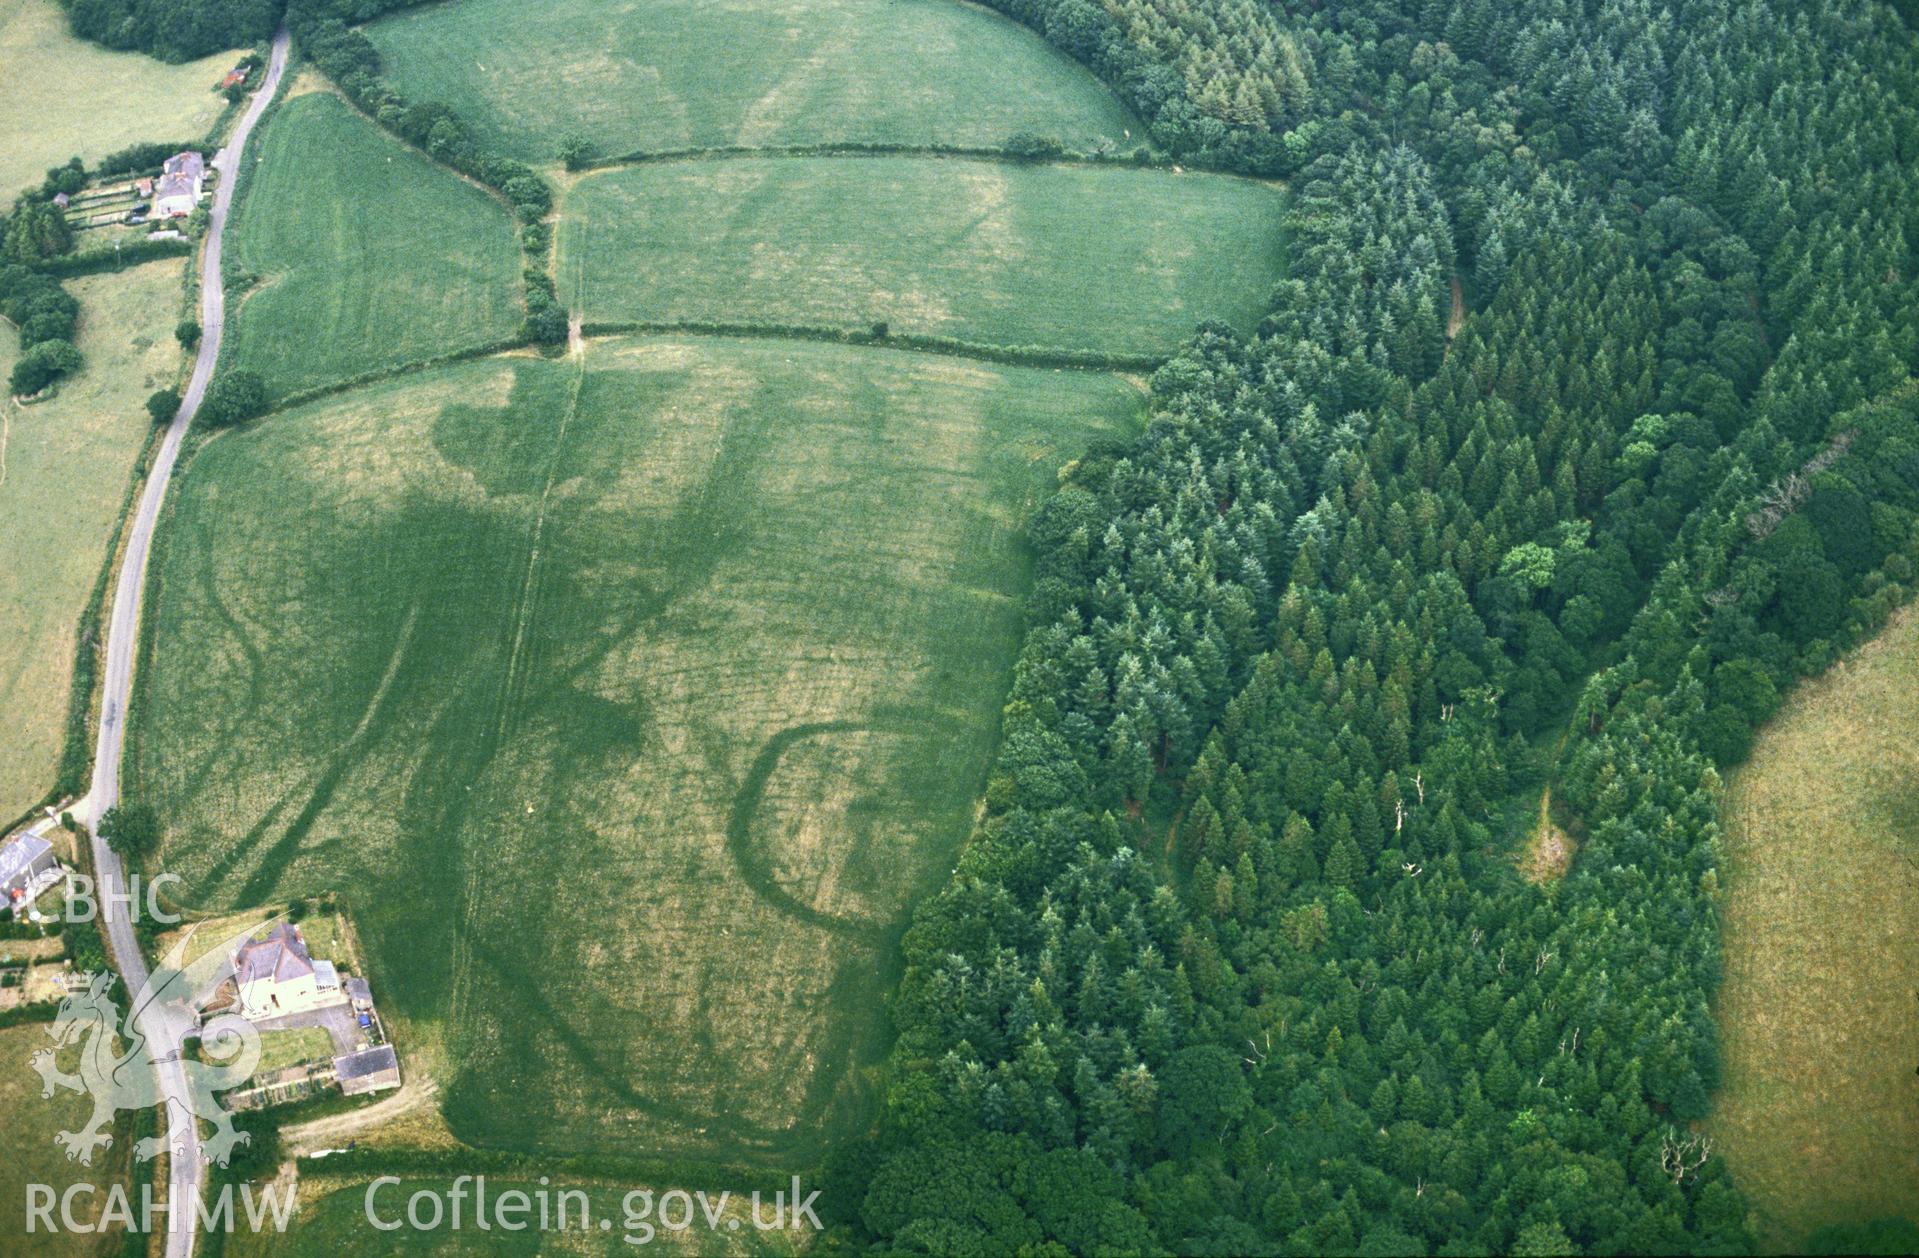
117, 1064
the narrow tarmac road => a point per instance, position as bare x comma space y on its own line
163, 1026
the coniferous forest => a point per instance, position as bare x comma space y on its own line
1238, 960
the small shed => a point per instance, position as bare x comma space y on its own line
61, 200
369, 1070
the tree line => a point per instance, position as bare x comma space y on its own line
1238, 959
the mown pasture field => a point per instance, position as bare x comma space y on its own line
363, 254
1819, 1113
633, 697
66, 98
1062, 257
653, 75
331, 1222
65, 466
33, 1156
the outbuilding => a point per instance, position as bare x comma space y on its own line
27, 865
370, 1070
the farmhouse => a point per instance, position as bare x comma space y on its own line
369, 1070
177, 193
27, 863
276, 976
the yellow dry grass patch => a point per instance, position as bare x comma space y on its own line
1819, 1114
327, 935
1549, 852
64, 97
67, 462
32, 1156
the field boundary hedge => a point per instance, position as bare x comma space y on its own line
27, 1015
98, 261
301, 397
954, 347
1138, 158
1135, 159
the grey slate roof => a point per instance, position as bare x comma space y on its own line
180, 177
368, 1061
281, 957
20, 855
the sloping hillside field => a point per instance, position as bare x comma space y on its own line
652, 75
632, 697
363, 254
64, 468
64, 97
1819, 1115
1061, 257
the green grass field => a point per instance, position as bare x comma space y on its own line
1065, 257
672, 74
368, 254
288, 1048
64, 97
1819, 1115
32, 1156
633, 697
64, 469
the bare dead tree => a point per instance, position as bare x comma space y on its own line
1681, 1157
1787, 494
